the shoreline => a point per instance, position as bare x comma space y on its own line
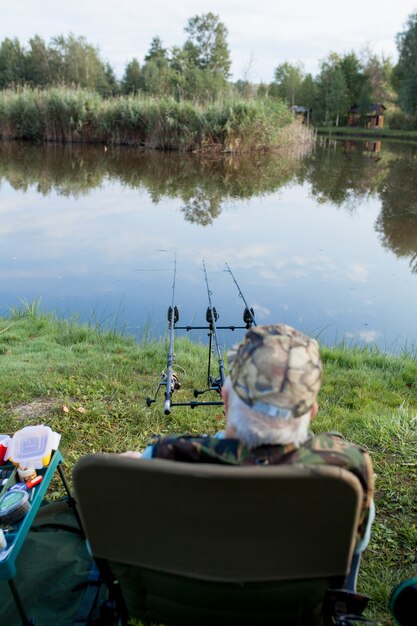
366, 133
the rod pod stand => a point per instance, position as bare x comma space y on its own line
169, 378
214, 384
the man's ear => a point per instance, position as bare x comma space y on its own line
314, 410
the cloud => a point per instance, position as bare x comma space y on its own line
272, 31
357, 273
367, 336
261, 312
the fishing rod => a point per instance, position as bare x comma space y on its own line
215, 384
169, 378
248, 313
172, 382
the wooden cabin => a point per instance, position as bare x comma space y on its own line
374, 119
302, 112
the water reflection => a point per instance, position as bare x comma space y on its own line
310, 236
342, 173
346, 173
203, 184
397, 221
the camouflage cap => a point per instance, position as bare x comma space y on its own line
276, 370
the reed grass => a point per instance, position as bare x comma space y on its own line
76, 115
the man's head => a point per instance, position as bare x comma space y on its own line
275, 376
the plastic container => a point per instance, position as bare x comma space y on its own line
13, 506
4, 442
32, 446
26, 473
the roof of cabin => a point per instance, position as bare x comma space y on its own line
374, 108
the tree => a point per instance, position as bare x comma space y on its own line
131, 78
287, 82
203, 85
181, 61
364, 102
354, 76
155, 77
308, 92
405, 72
339, 86
207, 44
378, 72
111, 86
337, 96
244, 87
156, 50
77, 62
263, 90
38, 69
12, 63
198, 69
332, 94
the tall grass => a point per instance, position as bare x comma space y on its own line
76, 115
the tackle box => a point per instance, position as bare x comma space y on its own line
16, 533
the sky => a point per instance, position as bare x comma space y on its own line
261, 33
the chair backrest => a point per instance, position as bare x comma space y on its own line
220, 524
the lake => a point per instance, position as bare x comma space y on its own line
325, 241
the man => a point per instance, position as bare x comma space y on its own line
270, 398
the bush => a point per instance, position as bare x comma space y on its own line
399, 120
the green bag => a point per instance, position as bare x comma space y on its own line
53, 570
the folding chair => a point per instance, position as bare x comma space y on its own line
203, 544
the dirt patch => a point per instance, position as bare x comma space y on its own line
36, 409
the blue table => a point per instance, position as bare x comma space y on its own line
16, 537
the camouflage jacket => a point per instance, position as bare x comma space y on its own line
326, 448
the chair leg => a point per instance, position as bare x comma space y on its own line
71, 499
352, 577
115, 592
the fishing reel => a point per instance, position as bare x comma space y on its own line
175, 384
248, 317
215, 385
175, 381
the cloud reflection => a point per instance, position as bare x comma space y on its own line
366, 336
301, 259
357, 273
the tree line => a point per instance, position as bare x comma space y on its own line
200, 70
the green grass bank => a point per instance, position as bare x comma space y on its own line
77, 115
90, 385
350, 132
